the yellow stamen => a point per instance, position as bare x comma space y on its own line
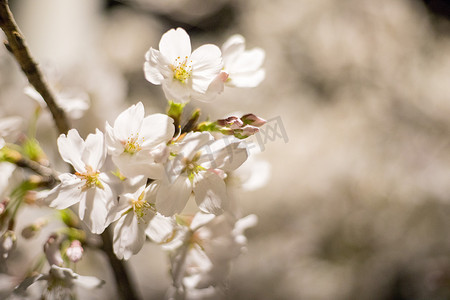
181, 70
132, 144
91, 178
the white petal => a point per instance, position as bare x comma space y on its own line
227, 154
206, 65
249, 79
215, 88
129, 122
193, 142
210, 192
71, 148
201, 219
242, 224
160, 228
10, 126
98, 204
95, 151
156, 129
113, 144
115, 212
172, 198
174, 44
156, 67
235, 45
33, 94
129, 236
140, 163
88, 282
176, 91
249, 61
67, 193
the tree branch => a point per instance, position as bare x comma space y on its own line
124, 287
17, 46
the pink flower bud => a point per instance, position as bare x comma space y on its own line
253, 120
75, 251
248, 130
3, 205
230, 122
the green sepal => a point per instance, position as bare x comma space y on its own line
175, 111
69, 218
208, 126
33, 150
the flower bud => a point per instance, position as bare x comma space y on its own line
249, 130
52, 252
30, 197
253, 120
75, 251
31, 230
230, 122
3, 205
7, 243
246, 131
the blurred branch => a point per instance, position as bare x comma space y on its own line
16, 45
124, 287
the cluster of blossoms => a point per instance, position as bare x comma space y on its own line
140, 172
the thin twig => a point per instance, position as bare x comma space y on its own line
17, 46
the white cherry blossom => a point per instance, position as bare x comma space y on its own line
244, 67
133, 213
88, 187
74, 104
198, 165
60, 283
137, 144
137, 218
182, 74
202, 254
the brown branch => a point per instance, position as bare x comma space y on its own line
124, 287
17, 46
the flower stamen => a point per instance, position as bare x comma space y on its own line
141, 206
90, 177
132, 145
181, 69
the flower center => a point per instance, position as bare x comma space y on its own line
181, 69
140, 206
191, 166
132, 145
90, 177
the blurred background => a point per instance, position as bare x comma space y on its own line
357, 205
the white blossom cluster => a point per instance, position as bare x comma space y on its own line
139, 173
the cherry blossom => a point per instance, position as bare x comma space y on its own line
182, 74
137, 144
60, 283
88, 187
198, 165
244, 67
